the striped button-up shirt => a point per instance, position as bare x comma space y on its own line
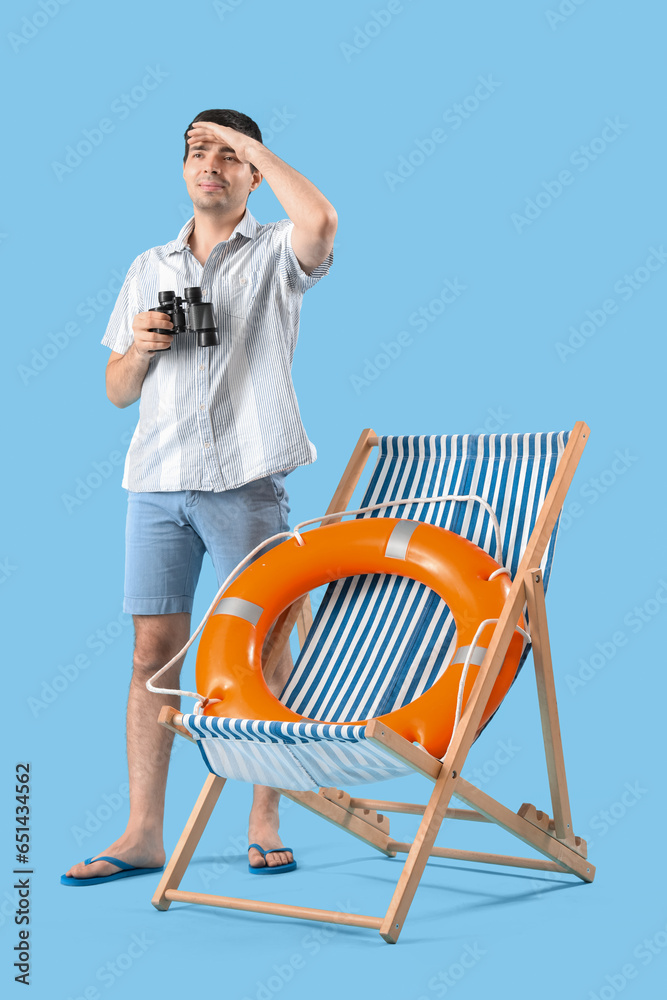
214, 418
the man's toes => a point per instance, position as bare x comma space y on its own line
78, 871
279, 858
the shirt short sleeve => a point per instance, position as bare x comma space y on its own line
289, 268
119, 334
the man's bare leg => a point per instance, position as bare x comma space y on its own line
264, 820
157, 639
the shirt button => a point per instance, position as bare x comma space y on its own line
243, 280
201, 368
207, 444
201, 407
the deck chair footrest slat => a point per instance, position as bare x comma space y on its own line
482, 858
415, 809
275, 909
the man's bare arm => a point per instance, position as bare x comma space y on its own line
125, 373
314, 217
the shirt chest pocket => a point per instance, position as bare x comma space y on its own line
236, 293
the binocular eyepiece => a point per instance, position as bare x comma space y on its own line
189, 316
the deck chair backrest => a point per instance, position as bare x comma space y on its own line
379, 641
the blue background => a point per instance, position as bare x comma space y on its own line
353, 105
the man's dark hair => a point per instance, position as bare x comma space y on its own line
232, 119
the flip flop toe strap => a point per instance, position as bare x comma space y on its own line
273, 850
114, 861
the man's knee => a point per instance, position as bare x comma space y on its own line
158, 638
144, 665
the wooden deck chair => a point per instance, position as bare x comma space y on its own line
379, 641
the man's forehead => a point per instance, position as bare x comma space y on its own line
222, 148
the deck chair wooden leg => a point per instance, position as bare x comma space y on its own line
304, 621
546, 692
188, 841
418, 856
445, 785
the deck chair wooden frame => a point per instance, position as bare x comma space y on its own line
552, 836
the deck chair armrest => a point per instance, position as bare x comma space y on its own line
170, 718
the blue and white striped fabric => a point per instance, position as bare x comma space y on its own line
380, 641
300, 755
215, 418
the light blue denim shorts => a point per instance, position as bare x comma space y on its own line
167, 535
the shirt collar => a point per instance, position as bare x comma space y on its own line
248, 227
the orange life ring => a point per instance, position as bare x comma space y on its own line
229, 664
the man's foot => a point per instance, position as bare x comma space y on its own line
132, 852
263, 829
267, 869
265, 833
275, 858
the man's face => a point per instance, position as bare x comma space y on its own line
216, 179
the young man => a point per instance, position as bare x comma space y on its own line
218, 429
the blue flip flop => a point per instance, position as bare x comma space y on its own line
271, 869
127, 872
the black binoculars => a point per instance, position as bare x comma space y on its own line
189, 315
